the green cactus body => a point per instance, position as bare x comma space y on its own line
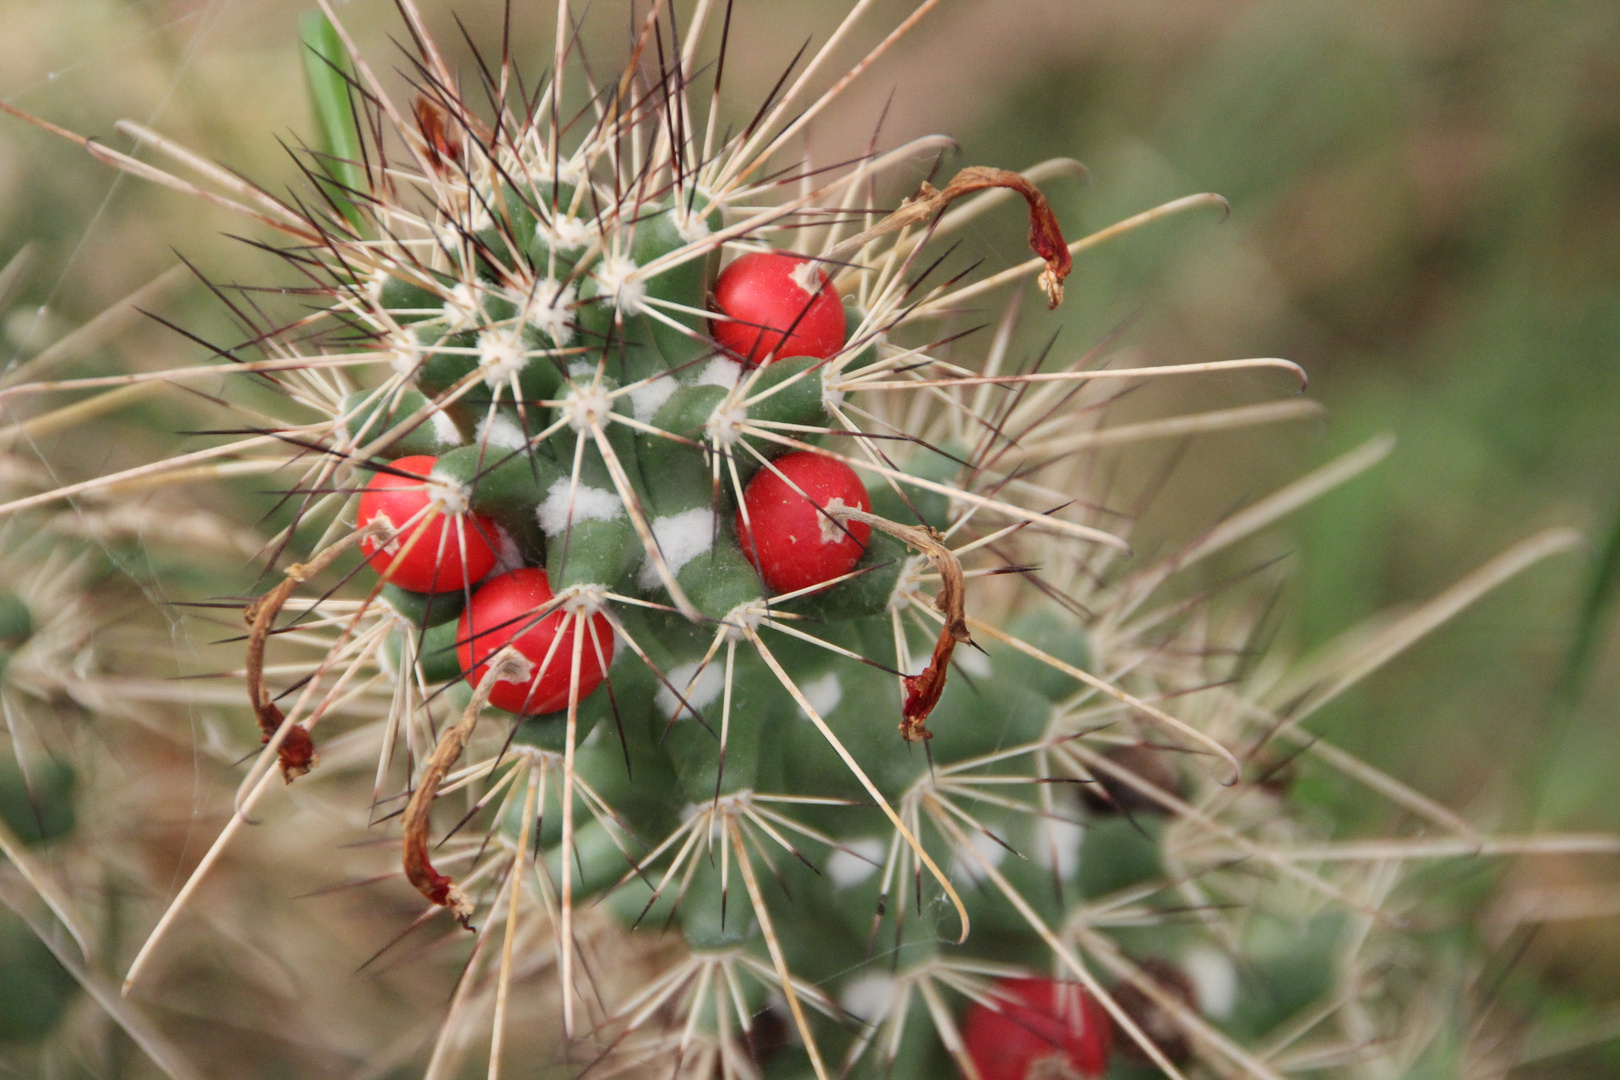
659, 231
37, 806
692, 740
553, 201
424, 609
35, 990
407, 302
436, 653
394, 420
507, 483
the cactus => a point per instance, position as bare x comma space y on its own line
754, 634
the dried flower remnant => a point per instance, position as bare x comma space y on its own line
443, 146
924, 689
294, 747
1045, 235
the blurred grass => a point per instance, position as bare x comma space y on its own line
1426, 216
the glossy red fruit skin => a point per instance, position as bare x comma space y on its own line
1044, 1029
759, 290
791, 543
501, 610
419, 564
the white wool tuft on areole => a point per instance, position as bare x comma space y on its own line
461, 310
649, 397
855, 862
566, 233
824, 693
969, 868
550, 311
501, 355
445, 432
1214, 979
452, 496
702, 693
694, 226
507, 555
374, 285
721, 371
404, 352
616, 278
681, 538
869, 997
1057, 846
587, 503
501, 431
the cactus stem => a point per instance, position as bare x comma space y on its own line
860, 775
1111, 690
923, 691
641, 654
638, 519
775, 623
725, 715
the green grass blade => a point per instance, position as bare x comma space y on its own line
327, 67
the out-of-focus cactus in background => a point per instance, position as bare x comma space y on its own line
617, 571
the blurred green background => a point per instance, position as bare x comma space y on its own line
1425, 215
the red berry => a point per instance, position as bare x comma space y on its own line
426, 556
1043, 1029
782, 305
793, 544
502, 613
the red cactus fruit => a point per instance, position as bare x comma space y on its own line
434, 552
1044, 1030
779, 305
788, 536
503, 611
